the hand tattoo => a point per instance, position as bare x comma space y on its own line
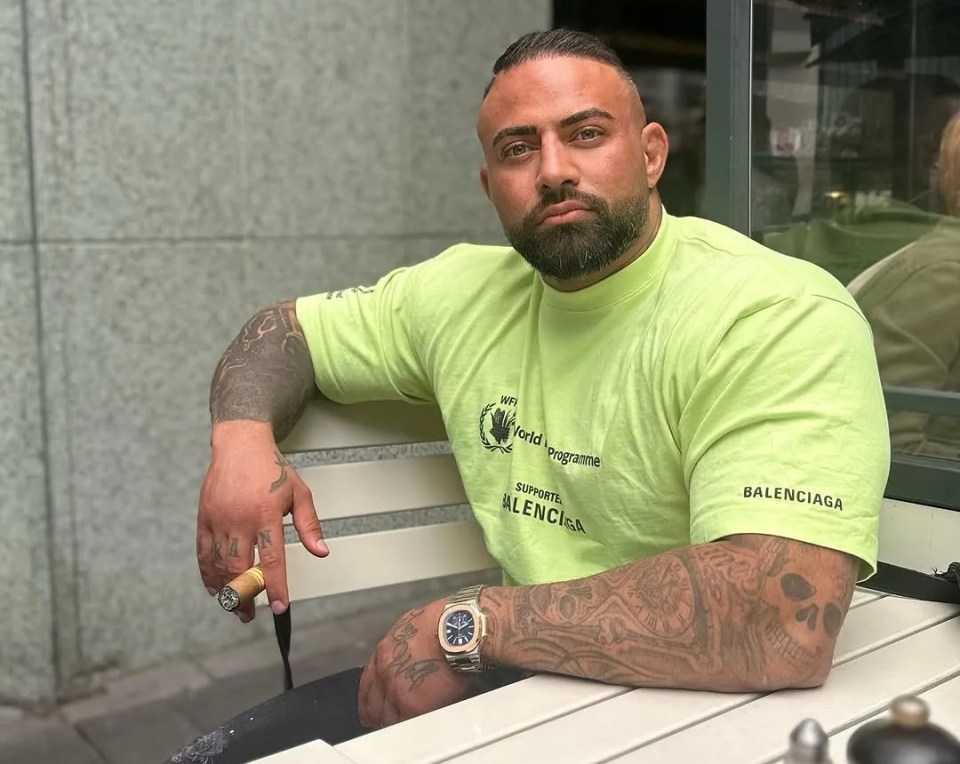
415, 672
281, 461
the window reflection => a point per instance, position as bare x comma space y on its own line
857, 144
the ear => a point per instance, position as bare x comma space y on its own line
656, 146
485, 180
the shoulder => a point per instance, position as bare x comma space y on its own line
472, 268
729, 276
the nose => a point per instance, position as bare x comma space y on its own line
557, 165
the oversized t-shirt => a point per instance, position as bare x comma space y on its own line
711, 387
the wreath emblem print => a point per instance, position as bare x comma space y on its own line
496, 427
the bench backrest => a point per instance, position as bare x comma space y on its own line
349, 490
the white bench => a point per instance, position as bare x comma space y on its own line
350, 490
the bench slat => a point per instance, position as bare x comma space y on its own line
316, 752
862, 685
325, 426
391, 485
368, 560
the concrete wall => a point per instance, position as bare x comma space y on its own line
186, 163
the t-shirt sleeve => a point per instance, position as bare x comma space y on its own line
364, 341
785, 432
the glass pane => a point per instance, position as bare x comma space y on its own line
856, 167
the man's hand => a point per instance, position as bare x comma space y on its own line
407, 674
247, 490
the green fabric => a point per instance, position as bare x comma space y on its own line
850, 243
712, 387
912, 300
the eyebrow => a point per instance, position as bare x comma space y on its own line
580, 116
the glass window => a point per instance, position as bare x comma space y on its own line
856, 167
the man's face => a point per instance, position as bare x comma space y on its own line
570, 163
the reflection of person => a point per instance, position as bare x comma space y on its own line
691, 482
890, 156
912, 300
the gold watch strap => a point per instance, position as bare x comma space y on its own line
466, 595
467, 662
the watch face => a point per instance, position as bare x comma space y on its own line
459, 627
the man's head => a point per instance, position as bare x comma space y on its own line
571, 162
948, 167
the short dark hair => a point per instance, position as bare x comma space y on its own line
554, 43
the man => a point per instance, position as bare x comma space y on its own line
706, 412
910, 299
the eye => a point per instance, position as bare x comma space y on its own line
515, 150
588, 133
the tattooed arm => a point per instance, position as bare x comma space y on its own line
266, 374
745, 613
258, 392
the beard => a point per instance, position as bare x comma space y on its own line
583, 247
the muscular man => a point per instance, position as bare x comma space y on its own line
706, 413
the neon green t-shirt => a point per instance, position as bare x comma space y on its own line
712, 387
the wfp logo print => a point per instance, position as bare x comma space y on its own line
497, 425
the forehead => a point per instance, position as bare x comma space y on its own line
544, 91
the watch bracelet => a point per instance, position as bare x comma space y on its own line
465, 663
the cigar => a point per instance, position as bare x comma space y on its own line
242, 589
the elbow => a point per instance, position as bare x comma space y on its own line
793, 673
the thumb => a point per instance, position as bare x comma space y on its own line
306, 522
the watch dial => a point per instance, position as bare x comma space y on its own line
459, 628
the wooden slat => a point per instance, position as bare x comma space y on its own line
541, 730
326, 425
507, 711
368, 560
917, 536
316, 752
863, 596
391, 485
944, 702
758, 732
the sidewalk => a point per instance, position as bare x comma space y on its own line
147, 717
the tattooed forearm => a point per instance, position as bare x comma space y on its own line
747, 613
266, 374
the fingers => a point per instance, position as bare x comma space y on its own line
273, 561
232, 555
205, 559
306, 522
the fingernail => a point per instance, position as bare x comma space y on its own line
242, 616
324, 549
211, 591
277, 607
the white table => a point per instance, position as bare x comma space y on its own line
888, 646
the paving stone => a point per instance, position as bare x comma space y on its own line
47, 741
147, 734
209, 707
137, 689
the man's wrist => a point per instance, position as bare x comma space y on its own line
240, 430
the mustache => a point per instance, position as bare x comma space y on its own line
557, 195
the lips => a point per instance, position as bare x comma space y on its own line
560, 209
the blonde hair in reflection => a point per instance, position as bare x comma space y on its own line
949, 166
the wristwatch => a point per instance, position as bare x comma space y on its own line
461, 631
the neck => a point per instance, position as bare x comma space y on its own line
641, 245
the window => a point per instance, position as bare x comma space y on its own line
855, 165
